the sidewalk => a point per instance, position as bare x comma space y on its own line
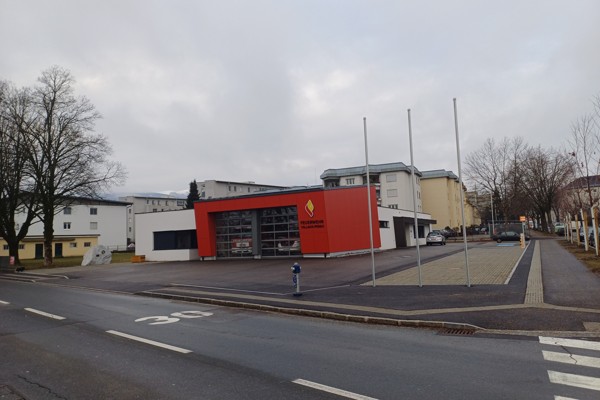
542, 288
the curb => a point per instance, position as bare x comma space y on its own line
319, 314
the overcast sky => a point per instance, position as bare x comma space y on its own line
275, 91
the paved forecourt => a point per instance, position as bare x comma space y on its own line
489, 264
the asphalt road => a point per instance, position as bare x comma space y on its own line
193, 351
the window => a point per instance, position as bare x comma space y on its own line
392, 193
5, 247
181, 203
67, 211
384, 224
93, 211
154, 210
87, 244
421, 230
394, 206
73, 245
390, 178
129, 229
21, 247
93, 226
130, 211
349, 181
175, 240
66, 225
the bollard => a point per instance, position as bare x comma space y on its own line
296, 278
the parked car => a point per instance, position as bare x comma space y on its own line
506, 236
434, 237
559, 228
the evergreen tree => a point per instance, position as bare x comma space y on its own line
193, 195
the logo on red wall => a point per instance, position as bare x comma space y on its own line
310, 208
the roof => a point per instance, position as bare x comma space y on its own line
95, 201
439, 173
582, 182
362, 170
249, 183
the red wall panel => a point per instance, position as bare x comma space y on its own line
332, 220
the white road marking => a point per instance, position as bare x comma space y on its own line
151, 342
574, 359
4, 302
333, 390
160, 320
563, 398
580, 381
191, 314
580, 344
45, 314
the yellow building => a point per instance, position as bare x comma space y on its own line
62, 246
440, 191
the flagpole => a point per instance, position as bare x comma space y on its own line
369, 200
414, 190
462, 200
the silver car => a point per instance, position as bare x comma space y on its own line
435, 238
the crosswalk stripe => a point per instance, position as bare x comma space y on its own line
580, 344
580, 381
574, 359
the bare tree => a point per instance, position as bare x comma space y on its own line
17, 190
496, 167
585, 151
545, 173
67, 158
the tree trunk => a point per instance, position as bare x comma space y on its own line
48, 237
13, 251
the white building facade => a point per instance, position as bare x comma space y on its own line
148, 204
213, 189
393, 183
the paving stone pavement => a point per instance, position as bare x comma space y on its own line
491, 264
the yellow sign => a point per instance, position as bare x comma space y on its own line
522, 218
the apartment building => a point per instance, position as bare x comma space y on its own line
392, 181
82, 224
441, 198
213, 189
148, 204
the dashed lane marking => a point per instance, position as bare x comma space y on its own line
329, 389
150, 342
4, 302
45, 314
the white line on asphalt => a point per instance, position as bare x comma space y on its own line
333, 390
151, 342
580, 344
574, 359
563, 398
4, 302
45, 314
580, 381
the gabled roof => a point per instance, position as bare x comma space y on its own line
362, 170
